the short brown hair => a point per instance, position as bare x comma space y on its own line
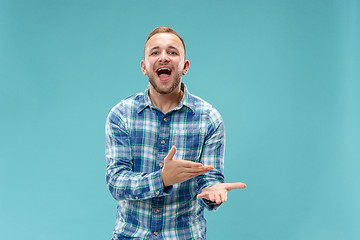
164, 30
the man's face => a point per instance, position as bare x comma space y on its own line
164, 62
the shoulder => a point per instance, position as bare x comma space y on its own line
125, 108
204, 108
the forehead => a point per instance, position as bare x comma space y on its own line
164, 40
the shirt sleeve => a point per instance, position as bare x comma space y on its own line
122, 181
213, 155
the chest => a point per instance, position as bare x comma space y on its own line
152, 134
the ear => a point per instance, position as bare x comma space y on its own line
143, 67
186, 67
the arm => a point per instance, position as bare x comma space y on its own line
213, 155
123, 183
213, 189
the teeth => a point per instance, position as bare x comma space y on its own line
163, 69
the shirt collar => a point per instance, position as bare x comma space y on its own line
187, 100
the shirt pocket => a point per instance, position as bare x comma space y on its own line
188, 143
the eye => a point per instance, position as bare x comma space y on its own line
155, 53
173, 53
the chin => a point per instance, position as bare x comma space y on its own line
171, 85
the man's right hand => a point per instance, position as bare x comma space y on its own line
178, 171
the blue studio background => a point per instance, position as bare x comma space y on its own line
284, 75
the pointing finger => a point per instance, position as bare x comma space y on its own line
198, 169
189, 164
232, 186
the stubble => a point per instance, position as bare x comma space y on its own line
177, 79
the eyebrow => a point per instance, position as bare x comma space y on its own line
171, 47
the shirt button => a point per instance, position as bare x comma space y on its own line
157, 211
163, 142
165, 120
136, 197
156, 233
157, 192
160, 164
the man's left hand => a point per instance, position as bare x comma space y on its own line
218, 192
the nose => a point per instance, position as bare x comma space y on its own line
163, 57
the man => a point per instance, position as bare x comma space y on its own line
165, 151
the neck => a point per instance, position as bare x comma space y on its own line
166, 102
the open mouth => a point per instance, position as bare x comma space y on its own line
163, 73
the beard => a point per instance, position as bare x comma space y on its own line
175, 84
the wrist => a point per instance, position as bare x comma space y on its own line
164, 180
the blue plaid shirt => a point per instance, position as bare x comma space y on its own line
138, 137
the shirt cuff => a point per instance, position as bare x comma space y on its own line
158, 187
210, 205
